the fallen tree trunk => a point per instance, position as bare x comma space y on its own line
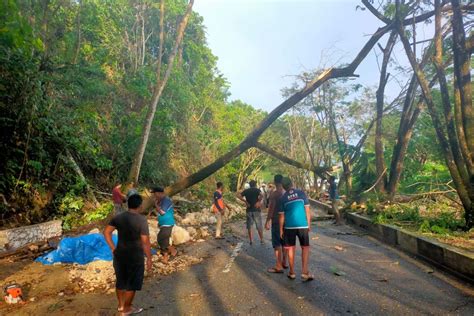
252, 138
320, 171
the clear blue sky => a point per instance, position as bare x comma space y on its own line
260, 43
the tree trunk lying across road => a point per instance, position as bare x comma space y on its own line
252, 138
320, 171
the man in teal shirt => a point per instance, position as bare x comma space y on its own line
164, 207
295, 221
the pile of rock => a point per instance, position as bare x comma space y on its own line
207, 217
177, 264
98, 276
95, 276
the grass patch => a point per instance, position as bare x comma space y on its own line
438, 218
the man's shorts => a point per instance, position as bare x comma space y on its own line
276, 239
129, 275
254, 217
164, 236
289, 237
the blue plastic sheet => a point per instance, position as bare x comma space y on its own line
82, 250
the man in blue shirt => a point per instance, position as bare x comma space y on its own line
295, 221
164, 207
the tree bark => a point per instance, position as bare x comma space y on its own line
79, 35
462, 185
410, 113
158, 90
320, 171
380, 94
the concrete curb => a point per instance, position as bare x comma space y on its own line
454, 260
321, 205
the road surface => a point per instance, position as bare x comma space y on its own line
375, 279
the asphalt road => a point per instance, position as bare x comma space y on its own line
373, 279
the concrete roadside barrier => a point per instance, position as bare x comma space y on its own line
454, 260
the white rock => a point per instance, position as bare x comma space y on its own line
212, 220
180, 235
153, 229
94, 231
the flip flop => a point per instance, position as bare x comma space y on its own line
273, 270
133, 311
305, 277
291, 276
285, 267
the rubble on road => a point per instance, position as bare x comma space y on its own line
207, 216
98, 276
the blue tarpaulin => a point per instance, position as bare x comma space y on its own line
81, 249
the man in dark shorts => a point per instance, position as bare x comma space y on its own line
295, 221
133, 243
165, 209
273, 219
252, 198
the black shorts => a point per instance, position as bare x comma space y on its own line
129, 275
289, 237
164, 236
277, 242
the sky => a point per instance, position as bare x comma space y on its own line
262, 44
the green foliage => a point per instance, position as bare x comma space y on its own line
441, 222
99, 213
71, 210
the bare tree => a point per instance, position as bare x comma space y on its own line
380, 95
159, 87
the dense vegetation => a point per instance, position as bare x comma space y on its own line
76, 83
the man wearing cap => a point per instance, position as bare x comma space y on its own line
164, 207
133, 243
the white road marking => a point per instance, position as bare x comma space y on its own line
234, 254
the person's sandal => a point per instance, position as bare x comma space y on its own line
305, 277
274, 270
133, 311
285, 266
291, 276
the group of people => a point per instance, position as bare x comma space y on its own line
288, 218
